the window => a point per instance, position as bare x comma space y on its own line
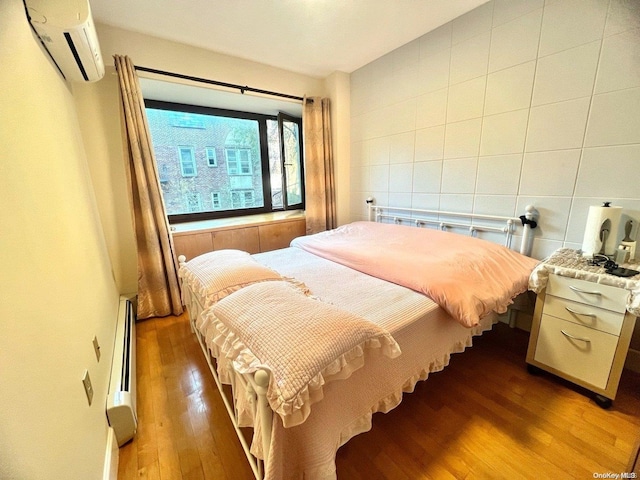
241, 199
238, 161
187, 162
291, 143
215, 200
193, 202
262, 155
212, 159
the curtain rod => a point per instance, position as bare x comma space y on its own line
220, 84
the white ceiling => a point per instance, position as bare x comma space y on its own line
313, 37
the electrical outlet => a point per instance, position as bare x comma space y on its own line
96, 347
88, 388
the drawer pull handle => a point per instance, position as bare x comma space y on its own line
579, 290
574, 337
592, 315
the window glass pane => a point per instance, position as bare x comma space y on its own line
187, 162
193, 202
215, 199
185, 144
275, 164
212, 159
293, 170
239, 161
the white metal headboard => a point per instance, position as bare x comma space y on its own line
479, 223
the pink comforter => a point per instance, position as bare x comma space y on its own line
466, 276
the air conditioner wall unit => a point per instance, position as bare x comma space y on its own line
67, 31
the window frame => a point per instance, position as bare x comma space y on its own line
192, 152
242, 195
238, 161
213, 156
197, 197
283, 117
264, 160
215, 198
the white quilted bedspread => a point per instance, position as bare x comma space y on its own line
303, 342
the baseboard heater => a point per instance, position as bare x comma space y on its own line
121, 400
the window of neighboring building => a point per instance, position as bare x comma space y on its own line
187, 162
238, 161
241, 199
212, 159
262, 155
215, 200
193, 202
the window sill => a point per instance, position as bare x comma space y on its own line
235, 222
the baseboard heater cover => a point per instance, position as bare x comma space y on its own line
121, 400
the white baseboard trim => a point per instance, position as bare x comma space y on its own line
633, 360
111, 457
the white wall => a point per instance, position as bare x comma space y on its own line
517, 102
98, 107
338, 87
153, 52
56, 280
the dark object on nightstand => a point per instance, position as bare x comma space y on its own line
623, 272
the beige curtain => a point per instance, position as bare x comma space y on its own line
320, 203
158, 285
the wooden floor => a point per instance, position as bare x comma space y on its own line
484, 416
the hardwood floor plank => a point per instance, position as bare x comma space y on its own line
483, 417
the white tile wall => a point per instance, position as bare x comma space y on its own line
504, 133
435, 41
551, 173
623, 15
609, 172
517, 102
566, 75
620, 61
570, 23
614, 118
433, 71
462, 139
432, 108
515, 42
494, 204
401, 178
401, 148
506, 10
473, 23
509, 89
459, 175
557, 125
429, 144
466, 100
499, 175
470, 58
427, 177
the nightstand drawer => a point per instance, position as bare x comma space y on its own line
575, 350
583, 314
582, 291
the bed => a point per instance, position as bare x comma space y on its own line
247, 312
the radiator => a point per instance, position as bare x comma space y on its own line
121, 400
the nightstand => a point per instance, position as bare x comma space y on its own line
582, 323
